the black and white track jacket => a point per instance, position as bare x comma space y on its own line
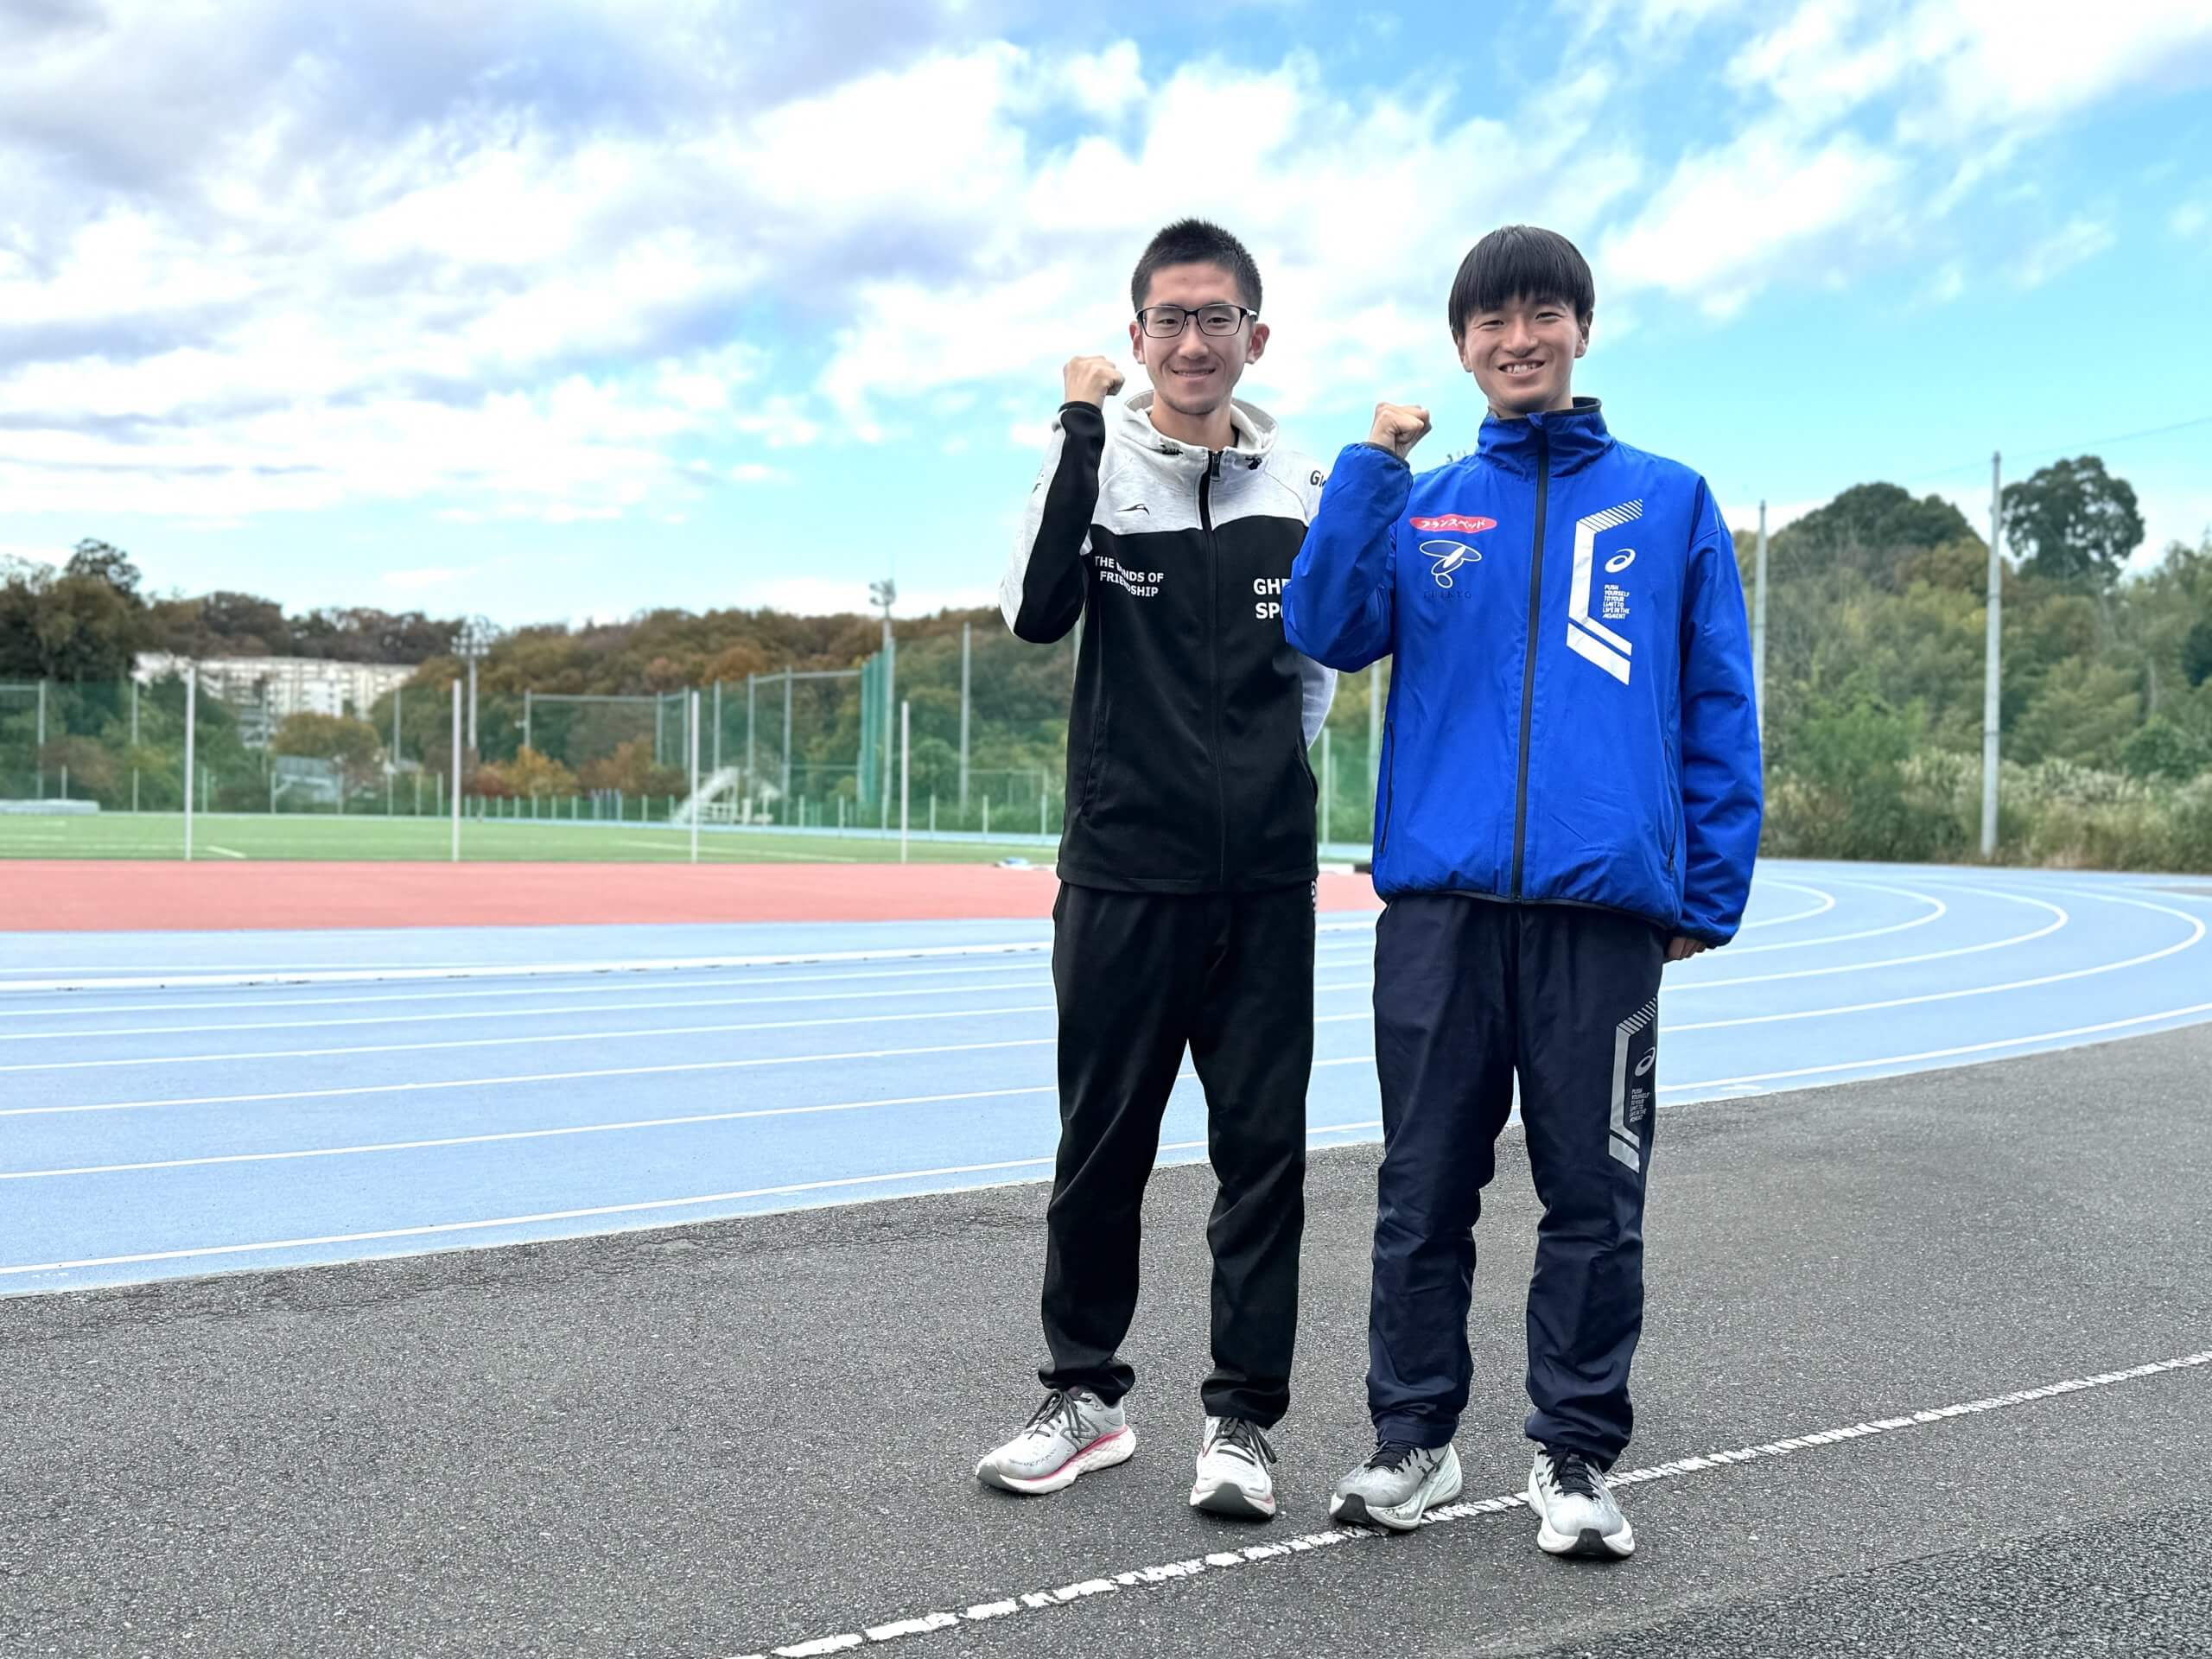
1191, 716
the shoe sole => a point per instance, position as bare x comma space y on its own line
1102, 1454
1441, 1487
1587, 1545
1232, 1501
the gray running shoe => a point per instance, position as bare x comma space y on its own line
1396, 1486
1233, 1478
1575, 1511
1071, 1433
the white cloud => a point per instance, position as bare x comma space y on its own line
1725, 222
755, 472
2079, 239
2191, 218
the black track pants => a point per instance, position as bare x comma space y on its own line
1468, 993
1141, 978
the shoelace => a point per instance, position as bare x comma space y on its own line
1394, 1455
1245, 1440
1571, 1472
1060, 1406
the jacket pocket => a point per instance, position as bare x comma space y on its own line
1095, 761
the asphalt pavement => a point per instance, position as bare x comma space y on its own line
758, 1434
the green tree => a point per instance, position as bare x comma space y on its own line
2074, 524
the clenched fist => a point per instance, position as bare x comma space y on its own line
1090, 380
1398, 427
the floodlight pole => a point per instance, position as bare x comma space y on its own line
191, 710
456, 772
1992, 666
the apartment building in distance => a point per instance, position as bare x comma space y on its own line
266, 690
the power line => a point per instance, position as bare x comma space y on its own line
2084, 445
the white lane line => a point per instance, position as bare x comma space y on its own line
2196, 933
96, 980
1827, 904
2059, 911
680, 1122
358, 1089
1022, 976
600, 989
224, 851
538, 1038
447, 1228
1465, 1509
1962, 1049
1937, 911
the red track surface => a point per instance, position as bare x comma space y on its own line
82, 896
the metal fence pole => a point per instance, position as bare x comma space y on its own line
695, 777
787, 741
906, 771
967, 649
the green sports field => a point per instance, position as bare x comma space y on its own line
283, 836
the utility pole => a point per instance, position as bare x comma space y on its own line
1758, 629
1991, 667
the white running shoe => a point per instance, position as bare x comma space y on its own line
1575, 1511
1073, 1433
1397, 1485
1233, 1479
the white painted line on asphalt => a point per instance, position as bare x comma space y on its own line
1465, 1509
540, 1039
643, 1207
190, 981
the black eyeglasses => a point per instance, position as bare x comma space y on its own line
1167, 322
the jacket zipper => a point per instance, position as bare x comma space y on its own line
1529, 660
1213, 655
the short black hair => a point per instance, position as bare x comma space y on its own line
1520, 262
1196, 242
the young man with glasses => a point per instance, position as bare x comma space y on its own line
1167, 522
1569, 800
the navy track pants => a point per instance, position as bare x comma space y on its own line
1469, 993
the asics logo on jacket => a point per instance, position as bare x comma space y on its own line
1187, 733
1580, 730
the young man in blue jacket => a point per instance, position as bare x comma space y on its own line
1569, 800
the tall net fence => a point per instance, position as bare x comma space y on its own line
816, 747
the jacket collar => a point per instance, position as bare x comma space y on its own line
1253, 435
1572, 438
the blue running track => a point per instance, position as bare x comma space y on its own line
187, 1103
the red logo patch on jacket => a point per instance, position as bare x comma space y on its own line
1460, 522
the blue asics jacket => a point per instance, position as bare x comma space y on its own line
1570, 717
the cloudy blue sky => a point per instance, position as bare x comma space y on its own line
555, 309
